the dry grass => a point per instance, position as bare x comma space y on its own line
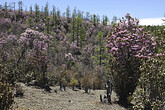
38, 99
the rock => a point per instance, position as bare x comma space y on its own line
33, 83
55, 91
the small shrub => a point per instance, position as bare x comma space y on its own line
19, 90
73, 82
98, 82
6, 96
86, 82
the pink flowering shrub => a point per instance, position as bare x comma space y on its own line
127, 43
70, 61
35, 40
34, 48
5, 24
8, 50
151, 91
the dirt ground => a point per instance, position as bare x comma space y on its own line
38, 99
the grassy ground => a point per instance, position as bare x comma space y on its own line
38, 99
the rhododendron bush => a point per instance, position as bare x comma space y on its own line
127, 44
34, 49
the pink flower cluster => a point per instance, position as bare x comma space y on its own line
128, 38
69, 56
35, 40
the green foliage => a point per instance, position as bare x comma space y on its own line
80, 31
150, 93
100, 50
20, 6
94, 20
105, 20
46, 10
68, 14
37, 12
6, 96
73, 82
30, 22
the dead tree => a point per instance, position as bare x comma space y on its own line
107, 96
109, 90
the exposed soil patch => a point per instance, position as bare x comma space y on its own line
38, 99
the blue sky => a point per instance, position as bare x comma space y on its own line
141, 9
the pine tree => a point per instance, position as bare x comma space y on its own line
54, 13
68, 14
80, 31
6, 7
100, 50
31, 10
0, 6
14, 6
97, 19
73, 24
114, 20
105, 20
46, 11
47, 25
10, 7
20, 9
94, 20
58, 17
37, 12
87, 15
78, 24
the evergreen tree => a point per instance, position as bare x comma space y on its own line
46, 11
14, 6
68, 14
10, 7
114, 20
58, 13
37, 12
73, 25
100, 50
20, 8
97, 19
94, 20
105, 20
58, 17
54, 13
80, 31
87, 15
31, 10
47, 25
0, 6
6, 7
78, 24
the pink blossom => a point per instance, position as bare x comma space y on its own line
114, 49
160, 54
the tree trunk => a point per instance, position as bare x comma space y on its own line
86, 90
123, 100
73, 87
